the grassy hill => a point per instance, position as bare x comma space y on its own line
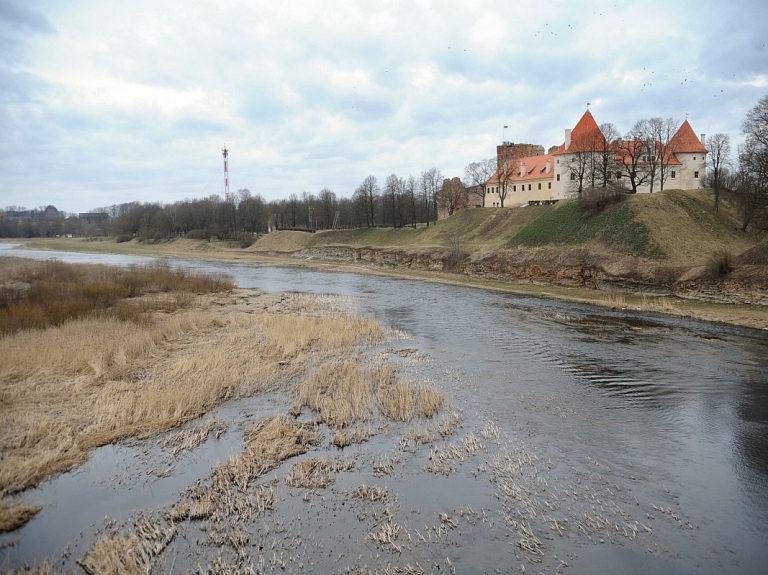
677, 228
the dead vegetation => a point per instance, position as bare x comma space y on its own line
347, 397
38, 294
317, 472
102, 379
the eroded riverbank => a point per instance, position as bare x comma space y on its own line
723, 302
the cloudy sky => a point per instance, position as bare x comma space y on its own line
106, 101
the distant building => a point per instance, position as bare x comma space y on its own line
525, 178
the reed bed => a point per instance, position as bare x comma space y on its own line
39, 294
101, 379
131, 553
346, 396
317, 472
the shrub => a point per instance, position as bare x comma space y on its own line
595, 201
199, 234
245, 239
123, 238
720, 263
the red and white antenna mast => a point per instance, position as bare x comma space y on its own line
225, 153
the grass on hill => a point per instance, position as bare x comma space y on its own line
565, 224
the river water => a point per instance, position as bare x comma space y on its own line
662, 418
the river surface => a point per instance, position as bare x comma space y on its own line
662, 418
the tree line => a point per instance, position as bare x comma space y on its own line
408, 201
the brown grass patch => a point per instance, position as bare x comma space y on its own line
38, 294
14, 516
317, 472
402, 402
345, 396
373, 493
101, 380
131, 553
268, 443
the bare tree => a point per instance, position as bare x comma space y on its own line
719, 161
506, 168
476, 176
391, 192
662, 133
410, 195
430, 183
752, 175
368, 191
631, 151
328, 205
607, 153
584, 160
452, 195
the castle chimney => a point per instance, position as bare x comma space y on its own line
703, 138
549, 166
522, 169
567, 139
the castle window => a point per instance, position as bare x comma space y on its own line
539, 186
694, 159
549, 185
514, 188
529, 185
573, 177
672, 175
558, 175
695, 174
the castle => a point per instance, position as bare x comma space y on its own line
526, 175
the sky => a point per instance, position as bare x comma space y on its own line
105, 102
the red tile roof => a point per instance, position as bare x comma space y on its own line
535, 169
585, 136
685, 141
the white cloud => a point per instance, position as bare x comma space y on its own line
113, 102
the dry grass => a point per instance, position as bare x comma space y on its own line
131, 553
101, 380
373, 493
341, 393
345, 397
39, 294
14, 516
402, 402
45, 568
317, 472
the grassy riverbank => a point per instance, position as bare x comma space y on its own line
651, 244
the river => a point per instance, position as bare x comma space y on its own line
662, 420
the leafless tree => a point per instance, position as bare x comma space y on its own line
452, 195
392, 188
328, 205
719, 160
631, 152
410, 197
752, 175
368, 194
430, 183
662, 133
476, 176
607, 153
506, 169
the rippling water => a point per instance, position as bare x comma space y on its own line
674, 411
